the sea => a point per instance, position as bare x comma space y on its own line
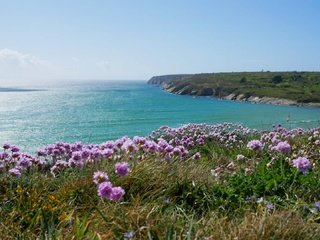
97, 111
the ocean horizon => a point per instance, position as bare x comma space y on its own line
97, 111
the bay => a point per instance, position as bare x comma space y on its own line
96, 111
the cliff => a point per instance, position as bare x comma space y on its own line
281, 88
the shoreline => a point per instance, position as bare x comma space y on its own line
168, 86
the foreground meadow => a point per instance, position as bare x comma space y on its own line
201, 181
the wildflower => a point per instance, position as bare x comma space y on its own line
317, 206
269, 206
15, 172
100, 177
197, 156
104, 189
302, 164
128, 235
169, 149
85, 153
240, 157
139, 140
254, 145
107, 153
24, 162
283, 147
41, 153
14, 148
77, 156
109, 144
116, 194
6, 146
129, 146
121, 168
259, 200
176, 151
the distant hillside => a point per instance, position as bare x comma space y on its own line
287, 88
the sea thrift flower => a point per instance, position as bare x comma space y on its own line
269, 206
254, 145
122, 168
15, 172
116, 194
77, 156
197, 156
129, 146
176, 151
6, 146
128, 235
14, 149
24, 162
107, 153
85, 153
100, 177
283, 147
302, 164
104, 189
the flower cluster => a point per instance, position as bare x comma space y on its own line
105, 188
302, 164
167, 144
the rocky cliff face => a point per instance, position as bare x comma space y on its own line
182, 84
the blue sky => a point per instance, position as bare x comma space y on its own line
42, 40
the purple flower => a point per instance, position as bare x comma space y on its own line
254, 145
14, 148
100, 177
302, 164
129, 146
105, 189
6, 146
107, 153
197, 156
85, 153
122, 168
116, 194
41, 153
283, 147
139, 140
270, 206
128, 235
15, 172
169, 149
24, 162
317, 206
176, 151
77, 156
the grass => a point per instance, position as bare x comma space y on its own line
303, 87
215, 197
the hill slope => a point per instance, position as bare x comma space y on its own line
288, 88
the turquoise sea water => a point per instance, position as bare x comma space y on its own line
98, 111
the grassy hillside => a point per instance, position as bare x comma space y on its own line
194, 182
303, 87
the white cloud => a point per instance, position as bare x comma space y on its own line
20, 68
18, 59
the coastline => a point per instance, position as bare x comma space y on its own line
172, 84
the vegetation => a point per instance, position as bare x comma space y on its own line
194, 182
303, 87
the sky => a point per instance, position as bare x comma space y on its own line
58, 40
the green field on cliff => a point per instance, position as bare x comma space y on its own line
302, 87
